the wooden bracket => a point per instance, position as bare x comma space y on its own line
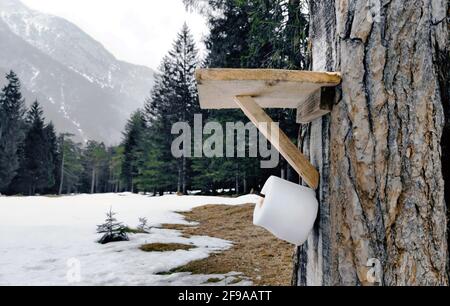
279, 140
316, 105
310, 92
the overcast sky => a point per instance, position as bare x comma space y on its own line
136, 31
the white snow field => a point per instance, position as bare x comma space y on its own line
52, 240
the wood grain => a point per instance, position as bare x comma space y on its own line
317, 105
220, 74
269, 87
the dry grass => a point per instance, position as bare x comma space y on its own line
165, 247
256, 253
131, 230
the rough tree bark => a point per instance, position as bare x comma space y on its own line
379, 151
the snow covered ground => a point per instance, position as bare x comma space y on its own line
52, 240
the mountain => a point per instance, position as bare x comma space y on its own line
83, 88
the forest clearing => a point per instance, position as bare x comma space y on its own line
59, 245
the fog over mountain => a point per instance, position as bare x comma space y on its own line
83, 88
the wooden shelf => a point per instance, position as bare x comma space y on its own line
252, 90
270, 88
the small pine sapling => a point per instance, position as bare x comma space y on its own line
143, 225
112, 230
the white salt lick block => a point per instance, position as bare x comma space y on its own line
288, 210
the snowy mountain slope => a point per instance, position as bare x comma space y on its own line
73, 75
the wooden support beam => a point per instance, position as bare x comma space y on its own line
316, 105
282, 143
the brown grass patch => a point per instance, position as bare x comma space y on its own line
165, 247
256, 253
131, 230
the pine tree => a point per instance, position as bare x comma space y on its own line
95, 162
70, 166
227, 43
52, 142
12, 110
174, 99
36, 172
143, 226
159, 172
278, 34
112, 230
133, 144
184, 55
115, 168
255, 33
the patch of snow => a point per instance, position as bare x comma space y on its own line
77, 124
93, 80
181, 279
84, 75
62, 106
48, 240
110, 78
36, 73
31, 23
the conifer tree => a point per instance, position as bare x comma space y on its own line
133, 144
12, 110
115, 168
52, 142
159, 168
112, 230
278, 34
143, 226
184, 55
36, 172
174, 99
70, 166
95, 161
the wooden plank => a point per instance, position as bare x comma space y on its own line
316, 105
283, 144
270, 88
277, 75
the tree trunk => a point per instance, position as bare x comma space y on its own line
444, 81
236, 183
179, 183
184, 183
379, 151
61, 183
93, 180
244, 183
289, 173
